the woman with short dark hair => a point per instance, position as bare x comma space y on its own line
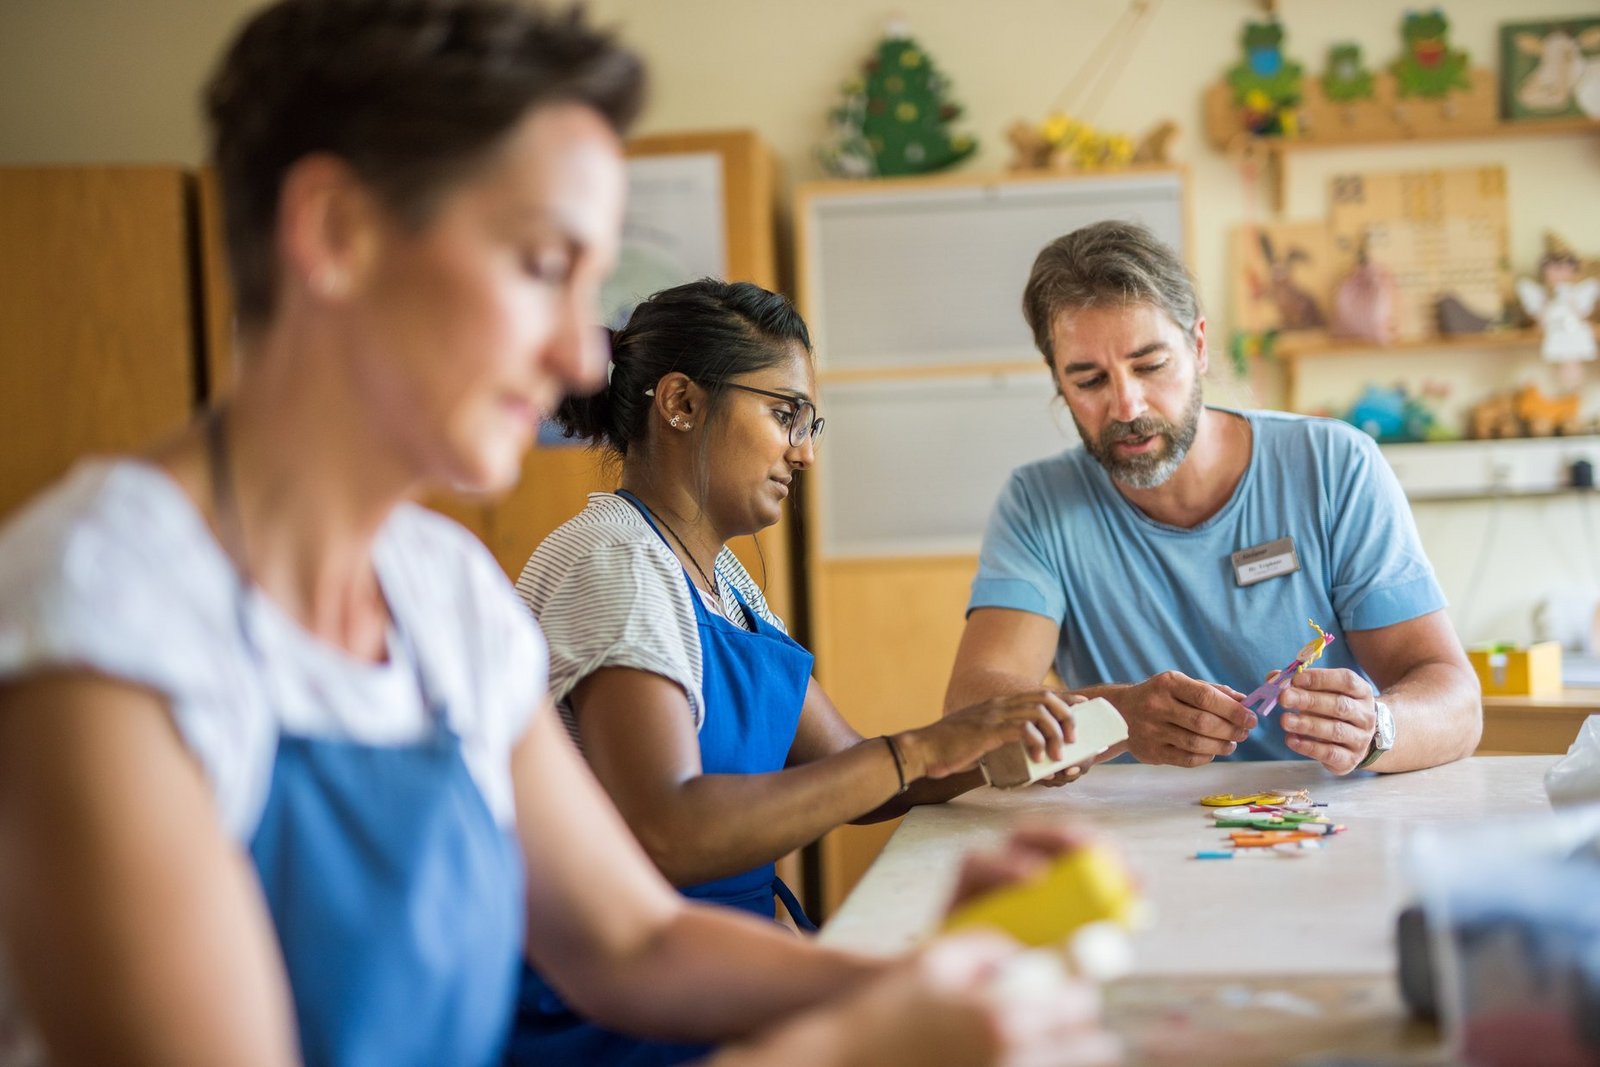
279, 779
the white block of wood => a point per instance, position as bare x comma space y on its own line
1096, 727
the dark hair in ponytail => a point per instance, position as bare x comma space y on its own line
710, 330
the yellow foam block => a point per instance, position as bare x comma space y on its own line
1084, 886
1534, 670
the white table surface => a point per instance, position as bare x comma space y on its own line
1325, 913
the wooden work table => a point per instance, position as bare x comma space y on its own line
1515, 725
1246, 962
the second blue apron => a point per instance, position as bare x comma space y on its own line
753, 683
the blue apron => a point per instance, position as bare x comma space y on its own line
396, 896
754, 687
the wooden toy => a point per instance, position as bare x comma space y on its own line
1085, 886
1543, 416
1495, 417
1562, 301
1097, 725
1264, 697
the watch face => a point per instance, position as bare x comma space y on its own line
1385, 736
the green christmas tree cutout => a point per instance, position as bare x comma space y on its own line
1429, 66
896, 118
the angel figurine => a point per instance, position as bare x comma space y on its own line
1265, 696
1562, 304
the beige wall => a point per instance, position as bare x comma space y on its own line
116, 80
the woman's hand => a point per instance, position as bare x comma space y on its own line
1023, 855
1039, 718
973, 1000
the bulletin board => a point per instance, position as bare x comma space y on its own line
913, 274
972, 429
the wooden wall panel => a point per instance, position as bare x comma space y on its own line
96, 319
885, 660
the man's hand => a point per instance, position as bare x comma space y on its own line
1175, 719
1328, 715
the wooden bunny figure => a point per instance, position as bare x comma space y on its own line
1297, 309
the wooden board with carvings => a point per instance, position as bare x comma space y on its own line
1439, 233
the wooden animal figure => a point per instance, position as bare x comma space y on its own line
1565, 74
1155, 147
1266, 84
1363, 305
1495, 417
1297, 309
1030, 150
1544, 415
1429, 67
1346, 78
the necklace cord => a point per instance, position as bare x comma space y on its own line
710, 581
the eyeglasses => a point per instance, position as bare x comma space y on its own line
806, 421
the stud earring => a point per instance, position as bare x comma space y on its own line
331, 281
676, 422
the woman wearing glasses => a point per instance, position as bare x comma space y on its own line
693, 705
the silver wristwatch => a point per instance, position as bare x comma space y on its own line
1382, 737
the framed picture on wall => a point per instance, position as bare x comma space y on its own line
1550, 68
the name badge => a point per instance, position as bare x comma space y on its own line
1269, 560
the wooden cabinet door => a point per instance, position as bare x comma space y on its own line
97, 319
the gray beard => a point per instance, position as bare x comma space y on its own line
1153, 468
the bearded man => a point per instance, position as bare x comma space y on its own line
1180, 550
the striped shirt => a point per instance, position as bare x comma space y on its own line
608, 592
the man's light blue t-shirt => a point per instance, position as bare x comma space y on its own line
1135, 597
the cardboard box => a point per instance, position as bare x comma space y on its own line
1528, 671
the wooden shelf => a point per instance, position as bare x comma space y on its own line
1530, 128
1385, 119
1295, 348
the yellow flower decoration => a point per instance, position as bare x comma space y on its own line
906, 112
911, 58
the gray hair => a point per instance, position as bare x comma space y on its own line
1112, 263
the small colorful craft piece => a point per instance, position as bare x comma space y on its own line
1228, 800
1265, 696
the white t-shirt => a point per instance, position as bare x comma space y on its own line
609, 593
115, 570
